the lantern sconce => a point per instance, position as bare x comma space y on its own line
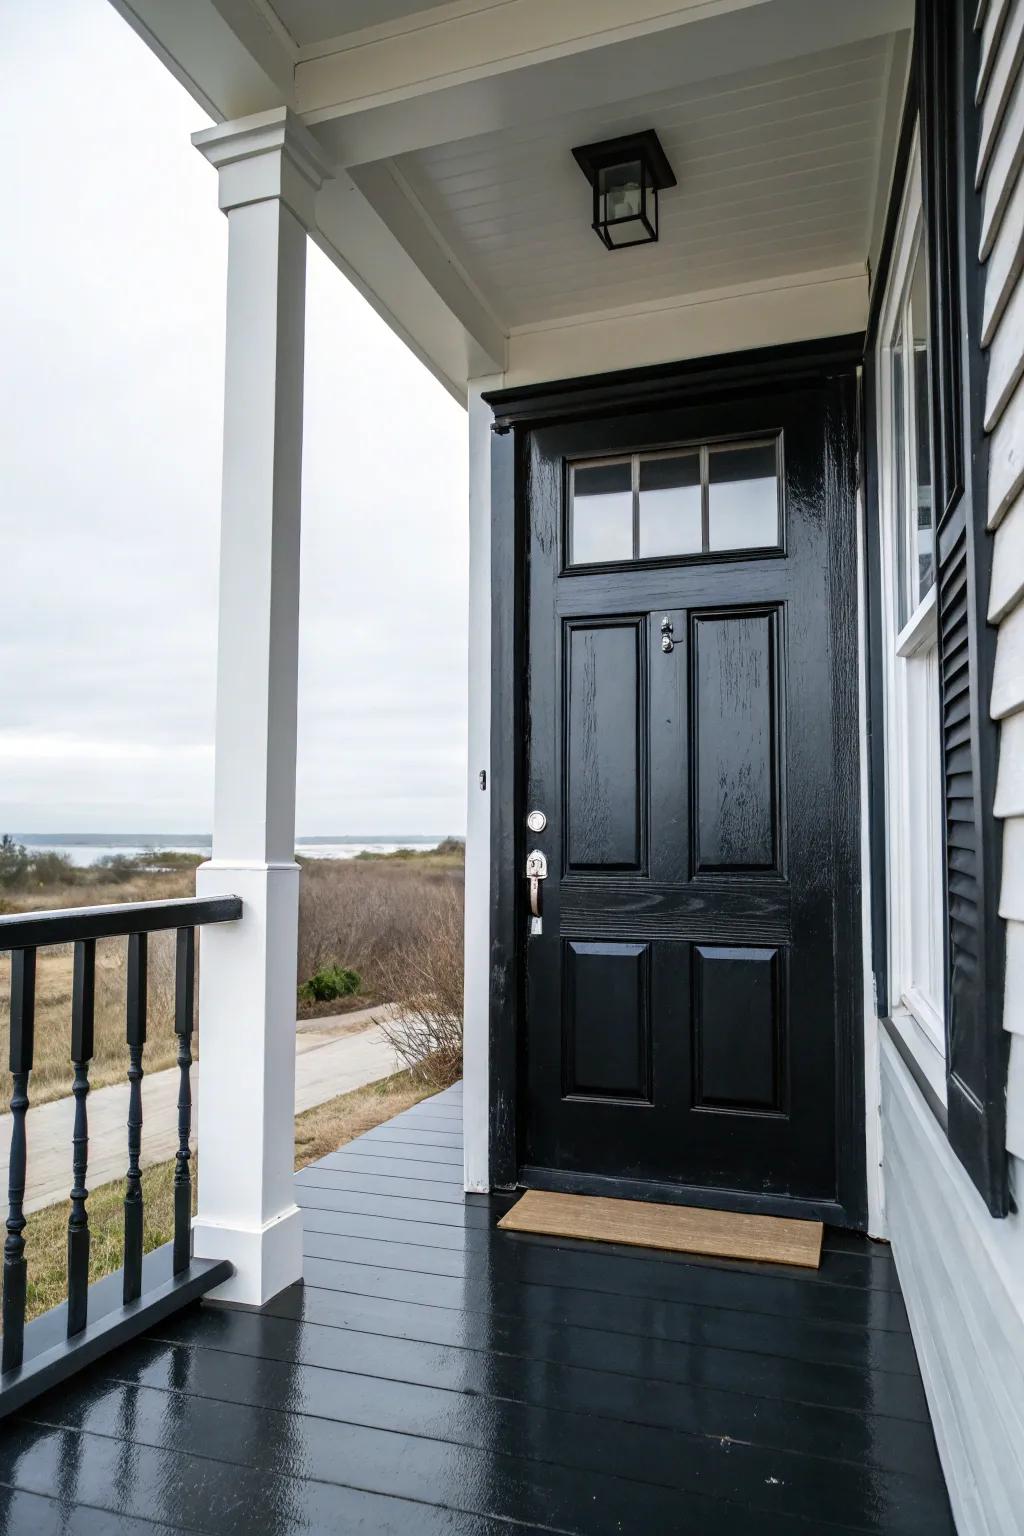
626, 175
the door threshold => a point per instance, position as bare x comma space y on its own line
801, 1208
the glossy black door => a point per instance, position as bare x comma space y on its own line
689, 700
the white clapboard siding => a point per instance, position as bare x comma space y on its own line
1003, 165
997, 91
962, 1276
1001, 95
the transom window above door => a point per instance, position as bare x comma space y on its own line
704, 500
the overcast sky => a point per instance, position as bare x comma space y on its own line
112, 272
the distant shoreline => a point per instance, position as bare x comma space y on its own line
87, 848
204, 839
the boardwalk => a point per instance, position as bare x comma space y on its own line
326, 1065
436, 1376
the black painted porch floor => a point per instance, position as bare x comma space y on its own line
437, 1376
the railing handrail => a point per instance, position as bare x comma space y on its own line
66, 925
23, 934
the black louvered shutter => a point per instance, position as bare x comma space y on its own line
976, 1040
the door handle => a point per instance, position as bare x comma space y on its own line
536, 871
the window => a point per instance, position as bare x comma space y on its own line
707, 500
910, 645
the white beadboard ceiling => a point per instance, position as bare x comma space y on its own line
777, 170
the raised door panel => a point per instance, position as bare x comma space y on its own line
606, 1020
734, 742
605, 734
738, 1020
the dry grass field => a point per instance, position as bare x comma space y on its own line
389, 918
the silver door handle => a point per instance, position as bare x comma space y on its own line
536, 871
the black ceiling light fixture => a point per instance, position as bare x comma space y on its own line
626, 174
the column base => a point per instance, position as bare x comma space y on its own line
266, 1258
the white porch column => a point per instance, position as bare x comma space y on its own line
269, 171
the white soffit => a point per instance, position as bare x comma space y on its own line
777, 169
313, 21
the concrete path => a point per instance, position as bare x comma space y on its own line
332, 1056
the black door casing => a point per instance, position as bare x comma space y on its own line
687, 1019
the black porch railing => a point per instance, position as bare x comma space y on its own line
95, 1319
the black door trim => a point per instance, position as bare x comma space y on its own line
834, 358
662, 384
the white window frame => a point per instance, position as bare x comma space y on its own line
913, 787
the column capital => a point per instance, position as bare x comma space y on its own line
269, 155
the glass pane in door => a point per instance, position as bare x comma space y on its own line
601, 528
670, 505
743, 497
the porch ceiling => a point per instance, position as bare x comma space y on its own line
457, 207
776, 169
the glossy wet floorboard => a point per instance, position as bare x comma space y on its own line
434, 1375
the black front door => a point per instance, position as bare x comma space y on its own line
691, 708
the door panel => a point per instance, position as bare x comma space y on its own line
606, 1019
682, 731
606, 732
736, 1003
734, 734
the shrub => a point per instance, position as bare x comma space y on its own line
328, 983
422, 981
13, 861
51, 868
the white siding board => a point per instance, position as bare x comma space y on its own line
1002, 168
1006, 458
1005, 357
1011, 897
1010, 781
1005, 263
1004, 73
990, 20
1007, 565
1008, 677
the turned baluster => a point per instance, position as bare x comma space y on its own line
23, 1006
83, 1005
136, 1036
184, 1004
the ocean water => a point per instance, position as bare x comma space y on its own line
86, 848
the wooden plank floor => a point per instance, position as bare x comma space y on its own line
434, 1375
